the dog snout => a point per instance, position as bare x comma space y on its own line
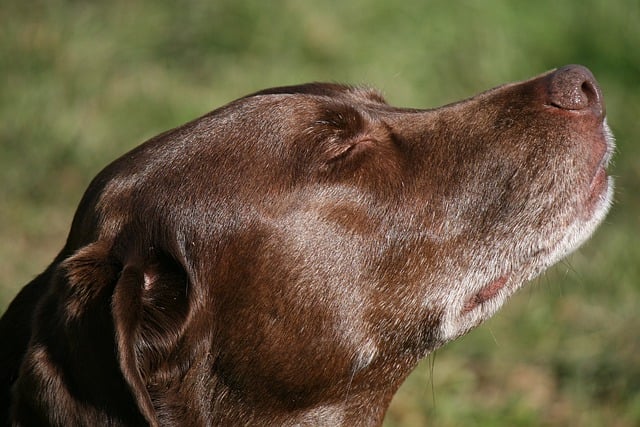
574, 88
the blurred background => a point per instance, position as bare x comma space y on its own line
82, 82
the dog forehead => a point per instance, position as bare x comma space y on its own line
357, 94
287, 116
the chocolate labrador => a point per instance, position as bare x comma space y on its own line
287, 259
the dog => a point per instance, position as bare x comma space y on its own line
288, 258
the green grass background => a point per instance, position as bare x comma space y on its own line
82, 82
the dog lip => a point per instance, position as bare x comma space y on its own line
597, 188
485, 293
599, 180
598, 177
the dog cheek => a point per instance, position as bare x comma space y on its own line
293, 328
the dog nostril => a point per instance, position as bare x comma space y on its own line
574, 88
590, 92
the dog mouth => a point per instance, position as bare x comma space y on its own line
601, 182
599, 186
593, 206
597, 189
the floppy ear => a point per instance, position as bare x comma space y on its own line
72, 362
127, 317
149, 309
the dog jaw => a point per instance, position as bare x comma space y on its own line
473, 307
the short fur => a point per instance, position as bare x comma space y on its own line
287, 259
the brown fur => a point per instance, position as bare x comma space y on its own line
288, 258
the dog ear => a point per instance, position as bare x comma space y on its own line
127, 316
72, 361
149, 309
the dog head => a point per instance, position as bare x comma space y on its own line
290, 256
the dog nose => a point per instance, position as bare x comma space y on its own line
573, 87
